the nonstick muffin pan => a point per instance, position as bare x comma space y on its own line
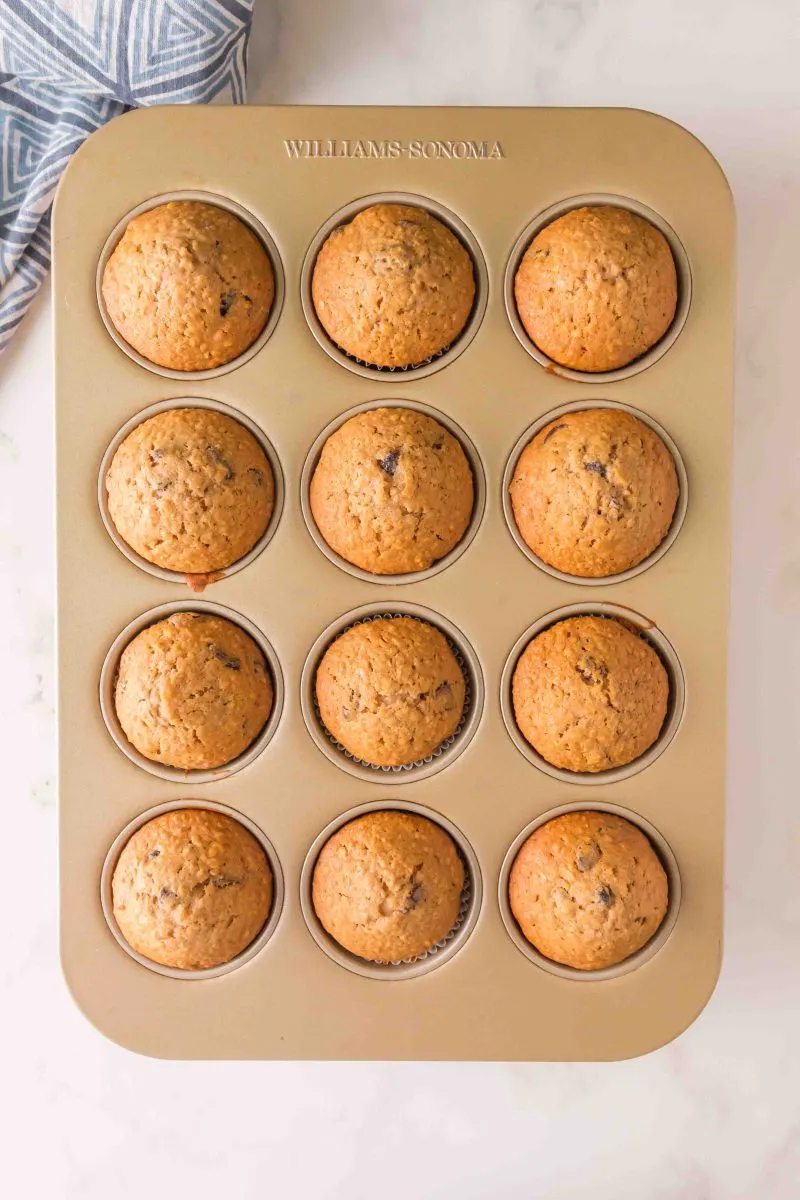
494, 175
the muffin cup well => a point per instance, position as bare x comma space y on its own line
675, 704
108, 678
446, 355
244, 956
478, 506
439, 954
253, 224
635, 960
184, 576
682, 268
450, 749
677, 518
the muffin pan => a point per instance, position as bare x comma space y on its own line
495, 176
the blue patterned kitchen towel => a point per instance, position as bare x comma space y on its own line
67, 67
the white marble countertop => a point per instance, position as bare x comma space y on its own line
714, 1116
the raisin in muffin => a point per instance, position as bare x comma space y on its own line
387, 886
393, 286
188, 285
589, 694
392, 491
190, 490
597, 288
390, 690
191, 889
594, 492
588, 890
193, 691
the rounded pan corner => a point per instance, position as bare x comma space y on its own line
686, 134
101, 1022
686, 1021
83, 155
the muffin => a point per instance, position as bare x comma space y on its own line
392, 491
192, 691
589, 694
390, 690
188, 285
393, 286
594, 492
588, 890
597, 288
191, 889
387, 886
190, 490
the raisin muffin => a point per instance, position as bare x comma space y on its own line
392, 491
393, 286
390, 690
191, 889
387, 886
597, 288
188, 285
588, 890
594, 492
192, 691
589, 694
191, 490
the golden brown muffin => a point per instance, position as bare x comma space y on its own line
192, 691
387, 886
594, 492
190, 490
597, 288
188, 285
191, 889
392, 491
588, 890
390, 690
589, 694
393, 286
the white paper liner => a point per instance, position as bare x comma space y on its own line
446, 744
401, 370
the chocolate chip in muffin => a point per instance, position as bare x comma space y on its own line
588, 856
228, 660
226, 302
216, 457
389, 463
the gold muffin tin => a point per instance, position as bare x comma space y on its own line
494, 175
